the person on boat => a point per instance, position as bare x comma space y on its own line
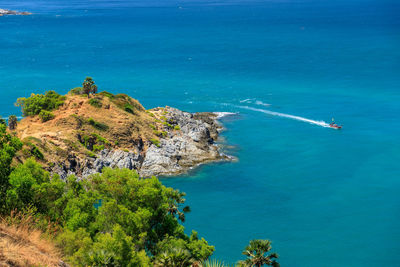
333, 122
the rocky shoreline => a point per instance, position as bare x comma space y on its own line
4, 12
176, 153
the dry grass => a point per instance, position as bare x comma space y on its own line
22, 245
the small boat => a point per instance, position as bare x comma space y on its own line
334, 125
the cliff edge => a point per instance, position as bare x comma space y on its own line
85, 134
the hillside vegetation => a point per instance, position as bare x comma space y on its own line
112, 218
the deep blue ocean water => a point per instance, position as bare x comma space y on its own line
324, 197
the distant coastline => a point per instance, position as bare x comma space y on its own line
4, 12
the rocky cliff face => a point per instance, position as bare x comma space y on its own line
176, 152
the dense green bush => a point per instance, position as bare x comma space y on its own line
34, 104
100, 139
45, 115
95, 102
33, 150
126, 103
98, 125
128, 108
9, 145
136, 220
107, 94
76, 91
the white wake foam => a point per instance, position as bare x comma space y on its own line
293, 117
224, 114
260, 103
254, 101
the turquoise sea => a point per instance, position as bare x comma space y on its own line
324, 197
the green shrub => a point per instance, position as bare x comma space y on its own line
155, 142
153, 127
107, 94
98, 125
177, 127
34, 104
76, 91
127, 103
158, 133
168, 125
37, 153
97, 148
90, 154
32, 150
100, 139
45, 115
95, 102
128, 108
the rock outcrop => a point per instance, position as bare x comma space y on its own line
177, 151
87, 135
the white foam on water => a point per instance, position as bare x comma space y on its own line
224, 114
260, 103
6, 118
248, 100
254, 101
293, 117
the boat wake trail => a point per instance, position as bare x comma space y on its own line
293, 117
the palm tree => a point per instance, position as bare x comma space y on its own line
256, 256
174, 257
176, 198
88, 86
12, 122
214, 263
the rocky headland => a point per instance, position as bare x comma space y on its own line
4, 12
86, 135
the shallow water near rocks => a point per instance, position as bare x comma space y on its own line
324, 197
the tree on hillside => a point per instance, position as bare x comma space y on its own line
9, 145
12, 122
3, 121
256, 254
36, 103
176, 199
88, 86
